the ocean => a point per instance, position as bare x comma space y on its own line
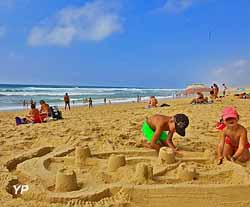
12, 96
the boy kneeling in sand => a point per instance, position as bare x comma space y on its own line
233, 144
154, 130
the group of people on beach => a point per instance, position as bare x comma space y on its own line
35, 115
214, 91
67, 101
233, 143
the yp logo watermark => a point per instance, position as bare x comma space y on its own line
20, 189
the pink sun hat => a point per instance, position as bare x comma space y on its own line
229, 112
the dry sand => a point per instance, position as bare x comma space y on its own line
45, 157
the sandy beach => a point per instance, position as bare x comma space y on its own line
34, 154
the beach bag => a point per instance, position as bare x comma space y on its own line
18, 121
55, 113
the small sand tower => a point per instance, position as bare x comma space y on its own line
167, 155
81, 154
116, 161
66, 181
186, 173
143, 173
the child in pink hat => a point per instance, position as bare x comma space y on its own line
233, 144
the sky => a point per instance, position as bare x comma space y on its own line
141, 43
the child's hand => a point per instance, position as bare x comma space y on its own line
233, 159
176, 149
220, 161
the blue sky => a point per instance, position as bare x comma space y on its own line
153, 43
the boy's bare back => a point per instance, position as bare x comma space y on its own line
159, 121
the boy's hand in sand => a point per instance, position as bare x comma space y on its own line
176, 149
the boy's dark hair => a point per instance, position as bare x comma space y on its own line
42, 102
33, 106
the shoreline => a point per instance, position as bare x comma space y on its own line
77, 105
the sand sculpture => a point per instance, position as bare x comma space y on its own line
166, 155
66, 181
75, 176
116, 161
81, 154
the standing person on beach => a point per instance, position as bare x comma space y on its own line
66, 101
105, 100
224, 89
216, 90
156, 127
31, 101
24, 103
90, 103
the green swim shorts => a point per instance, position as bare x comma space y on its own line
149, 133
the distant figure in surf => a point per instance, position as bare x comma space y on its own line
66, 101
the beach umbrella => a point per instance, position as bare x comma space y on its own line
194, 88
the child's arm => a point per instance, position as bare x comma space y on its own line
170, 141
156, 136
220, 148
242, 144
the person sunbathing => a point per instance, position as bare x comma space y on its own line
153, 102
158, 130
44, 110
33, 115
44, 107
200, 99
233, 143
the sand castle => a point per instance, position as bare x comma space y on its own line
186, 173
81, 154
116, 161
66, 181
167, 155
134, 172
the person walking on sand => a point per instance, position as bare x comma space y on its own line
224, 89
216, 90
66, 101
105, 100
90, 103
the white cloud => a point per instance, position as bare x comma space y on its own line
2, 31
93, 21
177, 6
236, 74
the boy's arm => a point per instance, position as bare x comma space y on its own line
170, 141
220, 147
156, 136
242, 144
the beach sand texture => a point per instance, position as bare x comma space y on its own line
90, 158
